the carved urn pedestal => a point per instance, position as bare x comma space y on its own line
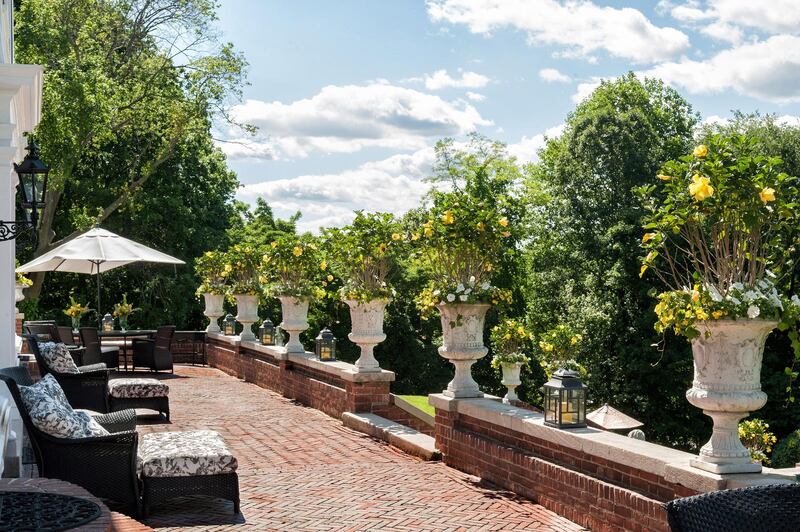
727, 386
295, 320
511, 379
247, 315
214, 311
462, 329
367, 331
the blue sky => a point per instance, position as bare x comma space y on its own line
350, 95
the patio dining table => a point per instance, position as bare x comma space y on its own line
125, 335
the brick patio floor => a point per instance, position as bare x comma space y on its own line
302, 470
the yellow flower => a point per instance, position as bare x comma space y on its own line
503, 221
648, 236
717, 314
664, 177
324, 283
480, 226
382, 247
767, 194
297, 251
695, 296
414, 236
488, 267
701, 314
507, 336
700, 188
447, 218
505, 234
274, 244
642, 270
700, 151
521, 331
330, 277
396, 236
428, 231
323, 265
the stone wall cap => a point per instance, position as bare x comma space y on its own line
344, 370
233, 340
274, 351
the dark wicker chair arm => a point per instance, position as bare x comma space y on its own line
122, 421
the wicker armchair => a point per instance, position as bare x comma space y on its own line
105, 466
87, 389
49, 332
773, 508
96, 352
155, 354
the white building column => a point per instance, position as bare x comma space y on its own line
20, 109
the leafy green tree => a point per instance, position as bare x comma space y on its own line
582, 257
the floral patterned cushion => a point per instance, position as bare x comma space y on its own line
57, 357
137, 388
184, 454
52, 414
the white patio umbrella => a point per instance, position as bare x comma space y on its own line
94, 252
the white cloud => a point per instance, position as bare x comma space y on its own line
442, 80
393, 184
475, 96
768, 70
527, 149
343, 119
723, 31
581, 28
585, 89
772, 16
246, 148
551, 75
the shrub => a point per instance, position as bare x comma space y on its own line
787, 451
756, 437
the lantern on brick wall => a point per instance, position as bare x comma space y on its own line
266, 333
325, 345
229, 326
564, 400
108, 323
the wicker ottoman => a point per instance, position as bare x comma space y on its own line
177, 464
139, 393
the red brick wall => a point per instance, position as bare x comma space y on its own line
398, 415
319, 389
586, 489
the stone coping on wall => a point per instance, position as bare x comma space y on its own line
670, 464
344, 370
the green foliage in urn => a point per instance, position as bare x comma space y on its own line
364, 254
557, 348
464, 233
123, 309
20, 277
210, 267
510, 341
715, 233
75, 309
242, 270
294, 265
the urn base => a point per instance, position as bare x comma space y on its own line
729, 467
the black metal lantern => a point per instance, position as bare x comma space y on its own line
108, 323
229, 326
564, 400
266, 333
32, 173
326, 345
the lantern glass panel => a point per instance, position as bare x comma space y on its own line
229, 325
108, 323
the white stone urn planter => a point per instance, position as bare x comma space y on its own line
367, 330
511, 379
295, 320
462, 328
18, 294
727, 386
247, 315
214, 311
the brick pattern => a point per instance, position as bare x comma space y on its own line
560, 479
398, 415
300, 469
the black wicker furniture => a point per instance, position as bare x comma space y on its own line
25, 510
176, 464
103, 465
95, 351
154, 354
85, 389
139, 393
773, 508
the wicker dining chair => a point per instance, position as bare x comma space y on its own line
105, 466
86, 389
96, 351
155, 354
769, 508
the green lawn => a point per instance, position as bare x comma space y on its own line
421, 402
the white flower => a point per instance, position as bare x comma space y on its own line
715, 295
770, 274
733, 300
437, 292
467, 291
753, 312
463, 297
451, 297
459, 288
750, 296
486, 285
737, 286
472, 280
796, 300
